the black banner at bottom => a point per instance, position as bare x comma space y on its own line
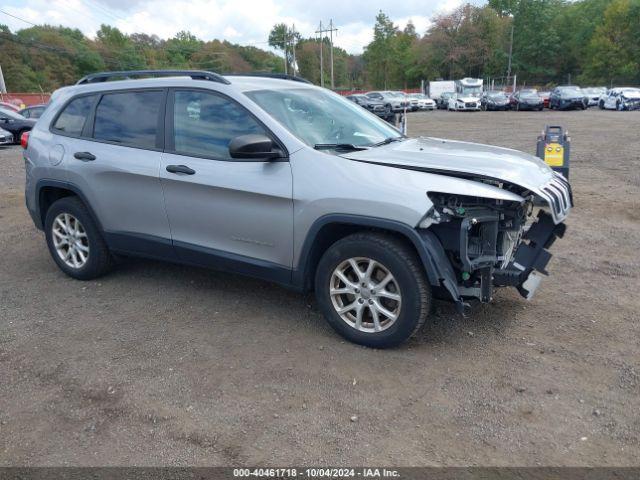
224, 473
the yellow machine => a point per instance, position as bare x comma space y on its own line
553, 147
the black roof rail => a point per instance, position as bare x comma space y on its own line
127, 74
281, 76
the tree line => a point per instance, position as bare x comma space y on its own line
552, 42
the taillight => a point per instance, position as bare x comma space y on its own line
24, 140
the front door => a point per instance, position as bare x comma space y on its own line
225, 213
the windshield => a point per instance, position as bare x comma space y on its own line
321, 117
497, 96
571, 91
471, 91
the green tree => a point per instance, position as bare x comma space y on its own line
613, 52
380, 54
283, 38
536, 43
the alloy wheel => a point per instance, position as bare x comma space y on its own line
365, 294
70, 240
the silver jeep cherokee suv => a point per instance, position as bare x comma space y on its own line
281, 180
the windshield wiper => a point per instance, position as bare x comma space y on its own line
338, 146
388, 140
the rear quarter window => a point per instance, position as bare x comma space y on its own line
73, 117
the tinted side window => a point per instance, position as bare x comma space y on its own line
74, 116
129, 118
36, 112
204, 124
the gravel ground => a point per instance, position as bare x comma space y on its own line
160, 364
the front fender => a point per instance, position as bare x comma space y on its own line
437, 266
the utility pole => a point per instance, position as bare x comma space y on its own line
510, 52
331, 30
293, 48
285, 41
3, 87
320, 31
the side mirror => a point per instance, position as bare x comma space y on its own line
253, 147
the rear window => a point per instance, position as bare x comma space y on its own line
72, 119
129, 118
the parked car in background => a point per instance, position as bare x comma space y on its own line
15, 123
9, 106
545, 98
377, 225
34, 111
443, 101
374, 106
567, 98
621, 98
494, 100
6, 138
403, 97
422, 101
593, 95
527, 100
461, 103
392, 103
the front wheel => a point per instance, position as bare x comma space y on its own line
372, 290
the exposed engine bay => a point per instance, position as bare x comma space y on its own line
492, 243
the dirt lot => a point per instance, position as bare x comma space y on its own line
160, 364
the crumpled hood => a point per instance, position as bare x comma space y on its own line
436, 154
631, 95
468, 99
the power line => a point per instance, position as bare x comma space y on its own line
18, 18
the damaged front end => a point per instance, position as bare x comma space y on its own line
488, 243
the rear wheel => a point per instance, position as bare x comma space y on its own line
74, 241
372, 290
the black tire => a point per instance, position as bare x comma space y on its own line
387, 110
99, 260
402, 262
601, 105
18, 138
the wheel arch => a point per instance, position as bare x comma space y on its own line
49, 191
330, 228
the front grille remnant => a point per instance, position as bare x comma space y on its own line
558, 195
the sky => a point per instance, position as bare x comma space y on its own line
246, 22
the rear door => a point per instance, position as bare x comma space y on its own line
116, 163
224, 212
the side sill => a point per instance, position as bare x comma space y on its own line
232, 263
147, 246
